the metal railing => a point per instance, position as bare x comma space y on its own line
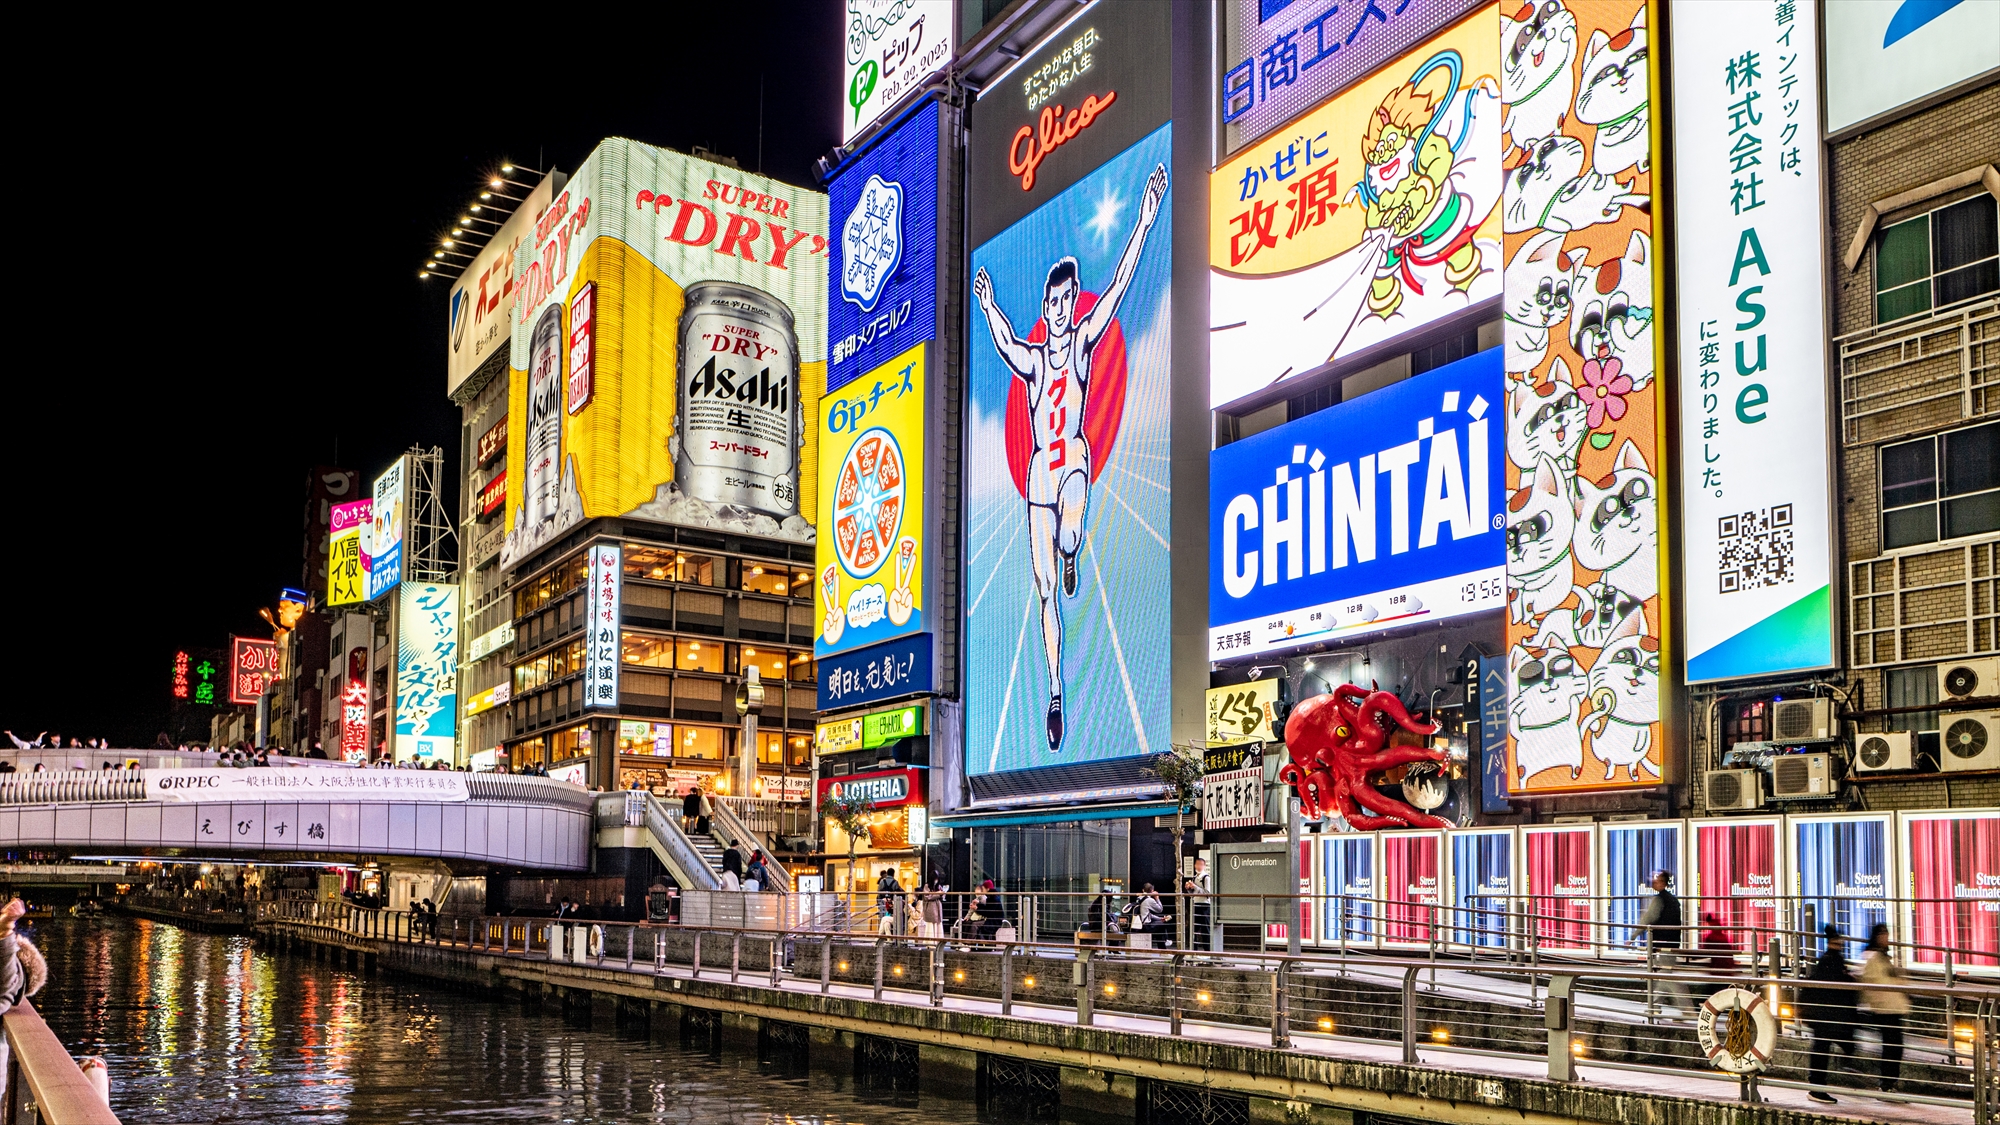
664, 826
769, 818
1576, 1017
730, 826
43, 1082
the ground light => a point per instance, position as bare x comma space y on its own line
1110, 989
843, 966
1325, 1024
1028, 981
959, 976
1202, 997
1440, 1035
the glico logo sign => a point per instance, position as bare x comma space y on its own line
1032, 144
878, 790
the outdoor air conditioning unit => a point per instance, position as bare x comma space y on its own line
1970, 740
1889, 750
1971, 678
1802, 720
1802, 776
1735, 790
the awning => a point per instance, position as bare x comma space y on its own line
1001, 818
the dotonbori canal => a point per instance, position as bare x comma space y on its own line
212, 1028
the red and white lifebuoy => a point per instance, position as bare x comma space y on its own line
1752, 1034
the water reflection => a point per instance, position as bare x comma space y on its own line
205, 1028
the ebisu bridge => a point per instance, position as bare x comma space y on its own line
303, 812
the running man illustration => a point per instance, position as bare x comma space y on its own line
1054, 373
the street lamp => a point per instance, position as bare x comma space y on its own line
749, 700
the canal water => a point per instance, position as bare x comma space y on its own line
207, 1028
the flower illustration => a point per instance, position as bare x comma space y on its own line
1605, 388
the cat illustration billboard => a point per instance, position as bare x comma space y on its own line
1375, 214
1370, 515
1587, 615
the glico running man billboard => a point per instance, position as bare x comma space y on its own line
1376, 213
1370, 515
1586, 535
870, 551
669, 346
1068, 388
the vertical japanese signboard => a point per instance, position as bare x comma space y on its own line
870, 546
253, 667
482, 303
601, 650
195, 675
347, 556
388, 514
885, 250
354, 706
1586, 537
427, 671
1757, 538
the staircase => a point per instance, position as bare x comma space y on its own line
710, 849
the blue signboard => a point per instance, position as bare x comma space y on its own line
1632, 852
1482, 881
1347, 866
883, 275
1840, 871
890, 670
1370, 515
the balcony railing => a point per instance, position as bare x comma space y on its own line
1921, 373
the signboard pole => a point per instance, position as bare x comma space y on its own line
1292, 873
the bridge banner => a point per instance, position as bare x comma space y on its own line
305, 782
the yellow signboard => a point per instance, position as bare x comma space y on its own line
1374, 214
346, 577
1242, 713
870, 547
832, 738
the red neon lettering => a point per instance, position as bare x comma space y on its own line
1053, 130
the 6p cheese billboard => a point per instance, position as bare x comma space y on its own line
870, 550
669, 343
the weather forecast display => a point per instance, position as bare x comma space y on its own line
1067, 512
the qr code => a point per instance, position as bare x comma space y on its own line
1757, 549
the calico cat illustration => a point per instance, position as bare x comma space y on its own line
1614, 312
1625, 699
1546, 686
1617, 526
1536, 82
1550, 190
1540, 526
1546, 420
1541, 283
1614, 98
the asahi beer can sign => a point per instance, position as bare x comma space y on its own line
739, 407
670, 340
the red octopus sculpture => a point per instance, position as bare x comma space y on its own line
1336, 740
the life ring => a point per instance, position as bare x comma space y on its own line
1746, 1046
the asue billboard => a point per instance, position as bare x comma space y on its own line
1365, 516
884, 209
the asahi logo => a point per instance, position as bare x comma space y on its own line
711, 380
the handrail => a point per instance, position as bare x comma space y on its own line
673, 847
39, 1062
726, 819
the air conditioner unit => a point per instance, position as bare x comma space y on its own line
1797, 777
1802, 720
1735, 790
1970, 740
1972, 678
1889, 750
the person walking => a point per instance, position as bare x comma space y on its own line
1717, 952
704, 812
732, 860
1828, 1012
1204, 897
888, 890
931, 904
691, 809
1884, 1009
1662, 923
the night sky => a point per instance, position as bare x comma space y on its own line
221, 291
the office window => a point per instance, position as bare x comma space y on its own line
698, 656
767, 578
1949, 255
1941, 487
771, 662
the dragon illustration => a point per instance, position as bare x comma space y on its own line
1337, 740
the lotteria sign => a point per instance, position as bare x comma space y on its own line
1367, 516
885, 790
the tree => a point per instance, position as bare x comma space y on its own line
848, 809
1179, 769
